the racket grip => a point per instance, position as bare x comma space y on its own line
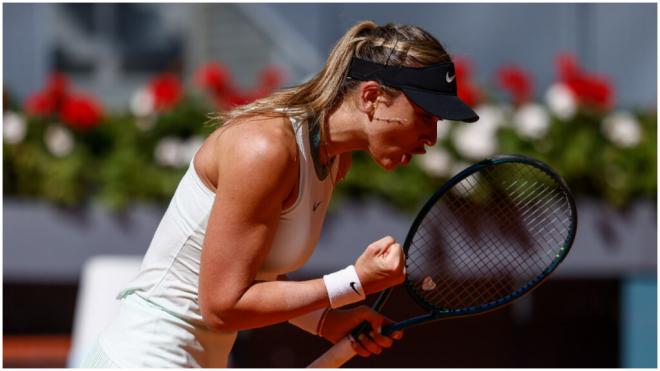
336, 356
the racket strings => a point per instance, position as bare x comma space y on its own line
452, 285
493, 232
536, 215
540, 208
524, 199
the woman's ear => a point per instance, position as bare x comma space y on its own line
368, 94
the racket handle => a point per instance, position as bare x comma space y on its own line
336, 356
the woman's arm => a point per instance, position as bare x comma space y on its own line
257, 170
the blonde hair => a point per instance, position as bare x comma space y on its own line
392, 44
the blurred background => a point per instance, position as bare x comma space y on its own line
104, 106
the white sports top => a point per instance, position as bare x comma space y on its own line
169, 274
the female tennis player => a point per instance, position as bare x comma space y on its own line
251, 206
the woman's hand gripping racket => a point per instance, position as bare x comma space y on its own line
489, 235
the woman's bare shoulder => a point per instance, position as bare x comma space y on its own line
257, 136
257, 142
260, 143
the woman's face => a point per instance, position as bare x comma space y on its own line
398, 130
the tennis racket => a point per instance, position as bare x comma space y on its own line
489, 235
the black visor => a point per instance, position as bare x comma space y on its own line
432, 88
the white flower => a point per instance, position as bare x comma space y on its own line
142, 103
466, 187
14, 127
490, 116
531, 121
188, 149
622, 129
474, 142
167, 151
477, 140
561, 101
59, 140
436, 162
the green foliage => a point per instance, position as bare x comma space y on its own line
593, 167
405, 187
115, 164
577, 149
112, 163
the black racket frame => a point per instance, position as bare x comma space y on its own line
434, 313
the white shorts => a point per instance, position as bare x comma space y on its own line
145, 335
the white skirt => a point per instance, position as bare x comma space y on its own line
96, 358
146, 335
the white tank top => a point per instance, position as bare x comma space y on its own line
169, 273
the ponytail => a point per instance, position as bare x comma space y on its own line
397, 44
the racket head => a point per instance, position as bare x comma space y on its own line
516, 210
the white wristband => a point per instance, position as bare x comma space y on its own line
344, 287
309, 321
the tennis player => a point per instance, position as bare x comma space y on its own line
251, 206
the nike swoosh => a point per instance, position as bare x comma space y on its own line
450, 78
316, 205
353, 284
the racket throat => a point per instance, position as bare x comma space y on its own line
388, 329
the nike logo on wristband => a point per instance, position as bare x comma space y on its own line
353, 284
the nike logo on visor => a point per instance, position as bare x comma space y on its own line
450, 78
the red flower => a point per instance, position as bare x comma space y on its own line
593, 91
516, 82
567, 67
214, 77
469, 93
40, 104
463, 68
466, 89
58, 85
50, 99
78, 111
271, 78
234, 99
590, 89
81, 112
166, 90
